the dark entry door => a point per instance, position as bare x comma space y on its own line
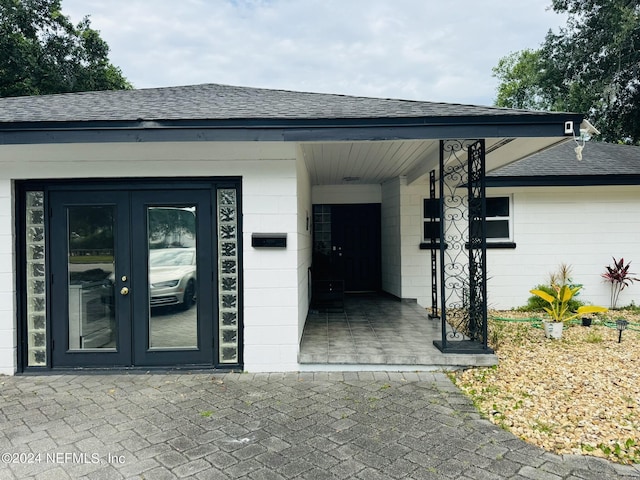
127, 271
349, 249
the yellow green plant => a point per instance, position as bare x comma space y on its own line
558, 308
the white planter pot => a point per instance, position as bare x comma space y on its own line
553, 329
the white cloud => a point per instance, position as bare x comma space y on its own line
414, 49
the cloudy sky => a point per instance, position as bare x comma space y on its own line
431, 50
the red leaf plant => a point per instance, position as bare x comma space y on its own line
620, 277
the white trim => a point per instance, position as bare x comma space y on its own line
509, 219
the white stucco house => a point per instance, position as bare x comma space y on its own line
556, 209
179, 226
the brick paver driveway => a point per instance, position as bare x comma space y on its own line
263, 427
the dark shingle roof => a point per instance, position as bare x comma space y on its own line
221, 102
602, 160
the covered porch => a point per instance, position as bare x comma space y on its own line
378, 332
431, 242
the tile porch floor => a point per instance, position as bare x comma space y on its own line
378, 332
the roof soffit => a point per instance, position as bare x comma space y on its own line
335, 163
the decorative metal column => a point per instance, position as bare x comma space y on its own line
434, 254
463, 272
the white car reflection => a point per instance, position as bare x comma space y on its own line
172, 277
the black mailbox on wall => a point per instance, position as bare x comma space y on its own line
269, 240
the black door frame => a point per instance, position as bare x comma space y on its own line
212, 184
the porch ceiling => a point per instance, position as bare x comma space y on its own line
374, 162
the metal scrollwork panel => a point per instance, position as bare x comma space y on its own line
477, 245
463, 291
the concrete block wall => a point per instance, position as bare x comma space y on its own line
390, 241
7, 281
581, 226
406, 270
304, 241
270, 204
416, 263
271, 281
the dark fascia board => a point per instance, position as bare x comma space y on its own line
534, 125
563, 181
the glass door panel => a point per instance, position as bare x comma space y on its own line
172, 277
173, 274
91, 273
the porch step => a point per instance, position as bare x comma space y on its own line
434, 359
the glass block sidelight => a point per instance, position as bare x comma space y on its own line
322, 229
228, 276
36, 281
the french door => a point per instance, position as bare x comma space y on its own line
132, 277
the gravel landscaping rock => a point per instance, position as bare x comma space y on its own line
578, 395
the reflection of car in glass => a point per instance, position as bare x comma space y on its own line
172, 277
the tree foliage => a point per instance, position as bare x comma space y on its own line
590, 66
521, 81
42, 52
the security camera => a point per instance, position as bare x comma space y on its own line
587, 129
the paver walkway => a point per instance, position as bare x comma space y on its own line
365, 426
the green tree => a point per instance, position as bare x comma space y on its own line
591, 66
521, 75
42, 52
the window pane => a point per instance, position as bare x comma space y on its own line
432, 230
431, 208
498, 207
497, 228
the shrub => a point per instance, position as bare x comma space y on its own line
620, 277
558, 307
560, 278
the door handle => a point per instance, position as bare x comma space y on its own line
124, 291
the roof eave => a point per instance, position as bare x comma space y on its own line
563, 180
313, 129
